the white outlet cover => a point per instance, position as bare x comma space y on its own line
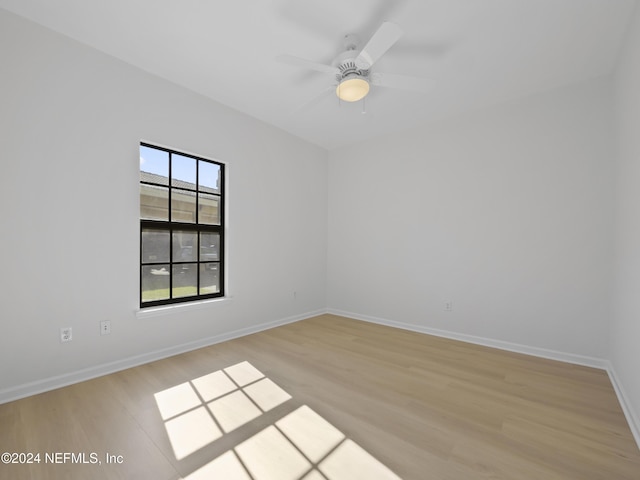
66, 334
105, 327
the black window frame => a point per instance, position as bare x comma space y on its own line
176, 226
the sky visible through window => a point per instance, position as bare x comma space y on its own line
156, 161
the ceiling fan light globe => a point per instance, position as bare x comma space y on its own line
352, 89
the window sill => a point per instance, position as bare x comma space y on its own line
180, 307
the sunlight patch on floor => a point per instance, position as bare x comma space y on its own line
266, 394
213, 385
311, 433
243, 373
191, 431
350, 461
233, 410
198, 412
226, 466
268, 455
176, 400
301, 445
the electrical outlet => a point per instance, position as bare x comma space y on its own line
448, 306
66, 334
105, 327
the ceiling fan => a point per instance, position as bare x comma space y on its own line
352, 69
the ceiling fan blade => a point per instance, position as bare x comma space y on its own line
380, 42
405, 82
301, 62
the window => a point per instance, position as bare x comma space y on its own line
181, 227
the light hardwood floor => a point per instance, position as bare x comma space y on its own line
339, 391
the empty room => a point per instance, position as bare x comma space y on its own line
320, 240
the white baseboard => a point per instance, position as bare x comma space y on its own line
52, 383
487, 342
632, 417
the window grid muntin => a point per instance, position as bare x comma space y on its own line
172, 226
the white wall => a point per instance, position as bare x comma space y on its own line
625, 338
506, 212
71, 120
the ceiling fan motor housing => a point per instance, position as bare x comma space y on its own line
346, 64
349, 69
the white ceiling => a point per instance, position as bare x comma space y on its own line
479, 52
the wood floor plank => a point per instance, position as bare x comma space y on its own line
422, 406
